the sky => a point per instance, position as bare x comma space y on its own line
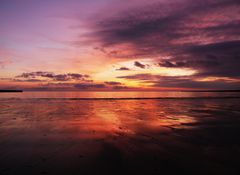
120, 45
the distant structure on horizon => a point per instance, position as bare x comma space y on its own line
2, 91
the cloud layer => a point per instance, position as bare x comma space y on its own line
44, 76
184, 82
202, 35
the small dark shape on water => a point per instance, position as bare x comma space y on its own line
7, 91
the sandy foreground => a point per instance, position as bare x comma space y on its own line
165, 136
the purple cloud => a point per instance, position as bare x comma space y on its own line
53, 77
202, 35
123, 69
120, 87
89, 86
112, 83
183, 82
140, 65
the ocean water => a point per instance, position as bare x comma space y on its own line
119, 133
116, 95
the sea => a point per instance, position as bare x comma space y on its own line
120, 133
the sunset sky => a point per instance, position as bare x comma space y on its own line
119, 44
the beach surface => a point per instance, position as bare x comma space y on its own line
155, 136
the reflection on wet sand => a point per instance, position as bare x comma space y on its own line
119, 136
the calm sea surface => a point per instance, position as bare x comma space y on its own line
74, 94
168, 133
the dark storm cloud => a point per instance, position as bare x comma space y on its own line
155, 25
218, 59
123, 69
52, 76
187, 82
202, 35
140, 65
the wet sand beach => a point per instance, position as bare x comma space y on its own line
155, 136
